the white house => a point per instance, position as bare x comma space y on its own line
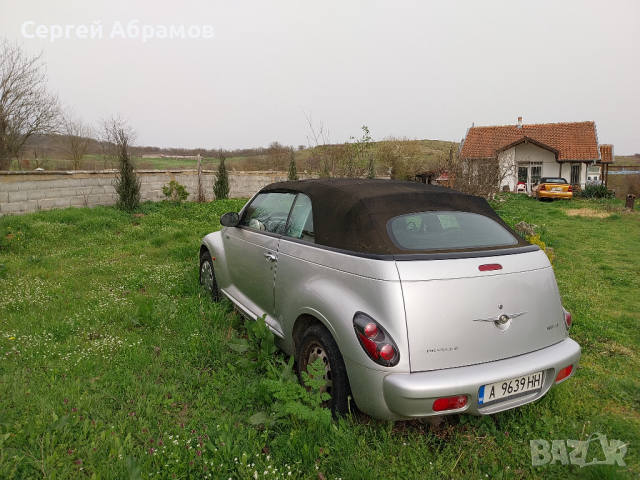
544, 150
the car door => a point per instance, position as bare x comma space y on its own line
252, 252
299, 227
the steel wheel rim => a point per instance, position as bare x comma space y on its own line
316, 351
206, 276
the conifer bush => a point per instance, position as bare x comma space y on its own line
221, 185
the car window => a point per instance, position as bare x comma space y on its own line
445, 230
301, 221
553, 180
269, 212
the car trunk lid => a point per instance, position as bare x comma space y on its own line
452, 307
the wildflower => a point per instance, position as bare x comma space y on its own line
74, 409
81, 418
151, 440
78, 462
150, 451
69, 452
193, 431
198, 453
66, 400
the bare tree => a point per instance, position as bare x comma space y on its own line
76, 138
403, 157
27, 107
480, 176
277, 156
118, 137
39, 158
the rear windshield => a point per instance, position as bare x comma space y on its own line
552, 180
447, 230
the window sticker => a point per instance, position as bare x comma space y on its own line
448, 221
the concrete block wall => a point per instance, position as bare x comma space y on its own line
30, 191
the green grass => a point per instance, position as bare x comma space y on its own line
167, 163
109, 349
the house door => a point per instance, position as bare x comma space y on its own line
530, 174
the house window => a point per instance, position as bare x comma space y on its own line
575, 174
522, 174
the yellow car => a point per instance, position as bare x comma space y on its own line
554, 187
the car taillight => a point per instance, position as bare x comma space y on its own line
564, 373
542, 187
570, 189
568, 318
450, 403
375, 340
371, 330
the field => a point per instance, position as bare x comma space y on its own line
115, 364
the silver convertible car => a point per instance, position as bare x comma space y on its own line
419, 299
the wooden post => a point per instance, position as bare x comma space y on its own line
199, 195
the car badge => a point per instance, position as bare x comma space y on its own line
501, 317
502, 321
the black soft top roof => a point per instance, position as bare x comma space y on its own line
352, 213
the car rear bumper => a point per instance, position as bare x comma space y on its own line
412, 395
551, 194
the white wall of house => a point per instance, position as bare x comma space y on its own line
528, 152
506, 160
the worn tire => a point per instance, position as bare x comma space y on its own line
316, 342
207, 276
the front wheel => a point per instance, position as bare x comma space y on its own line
316, 342
208, 277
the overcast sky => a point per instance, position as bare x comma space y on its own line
422, 69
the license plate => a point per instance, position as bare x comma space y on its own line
507, 389
556, 189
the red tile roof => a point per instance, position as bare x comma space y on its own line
572, 141
606, 153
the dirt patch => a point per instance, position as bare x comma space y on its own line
587, 212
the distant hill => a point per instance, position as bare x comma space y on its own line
627, 160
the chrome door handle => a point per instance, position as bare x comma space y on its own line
270, 257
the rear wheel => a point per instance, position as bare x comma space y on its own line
316, 342
208, 277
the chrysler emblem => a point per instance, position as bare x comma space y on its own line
502, 321
500, 318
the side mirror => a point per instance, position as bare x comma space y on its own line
231, 219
